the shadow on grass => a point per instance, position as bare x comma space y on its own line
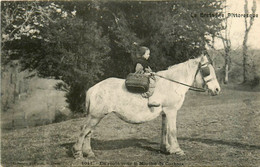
118, 144
221, 142
153, 146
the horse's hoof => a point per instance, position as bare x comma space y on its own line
178, 152
89, 154
77, 154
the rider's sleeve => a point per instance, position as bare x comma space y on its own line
139, 69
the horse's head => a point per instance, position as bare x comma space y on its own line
206, 76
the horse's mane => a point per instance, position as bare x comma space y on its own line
177, 71
180, 65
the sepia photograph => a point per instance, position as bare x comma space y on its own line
130, 83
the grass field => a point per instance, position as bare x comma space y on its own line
222, 130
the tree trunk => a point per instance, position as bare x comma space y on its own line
245, 58
226, 73
227, 63
248, 26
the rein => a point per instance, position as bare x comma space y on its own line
191, 87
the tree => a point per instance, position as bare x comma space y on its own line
167, 28
248, 25
98, 42
225, 37
75, 52
25, 20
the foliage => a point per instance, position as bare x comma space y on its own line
167, 28
75, 52
102, 38
236, 72
24, 20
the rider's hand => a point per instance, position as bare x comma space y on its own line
148, 70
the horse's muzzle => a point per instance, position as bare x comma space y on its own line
214, 92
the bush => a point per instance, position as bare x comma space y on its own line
255, 82
59, 117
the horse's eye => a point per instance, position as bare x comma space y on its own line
205, 71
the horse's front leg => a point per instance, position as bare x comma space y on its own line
172, 145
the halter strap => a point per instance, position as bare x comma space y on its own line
205, 64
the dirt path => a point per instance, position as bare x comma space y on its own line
213, 131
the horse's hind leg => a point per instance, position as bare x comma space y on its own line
84, 138
86, 148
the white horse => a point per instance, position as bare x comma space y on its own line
111, 95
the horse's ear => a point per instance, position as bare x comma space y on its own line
201, 57
198, 59
204, 59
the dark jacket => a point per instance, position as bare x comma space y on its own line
143, 62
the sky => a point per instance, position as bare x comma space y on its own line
237, 28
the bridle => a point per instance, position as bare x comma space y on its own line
205, 72
202, 68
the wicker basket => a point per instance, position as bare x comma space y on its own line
138, 83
